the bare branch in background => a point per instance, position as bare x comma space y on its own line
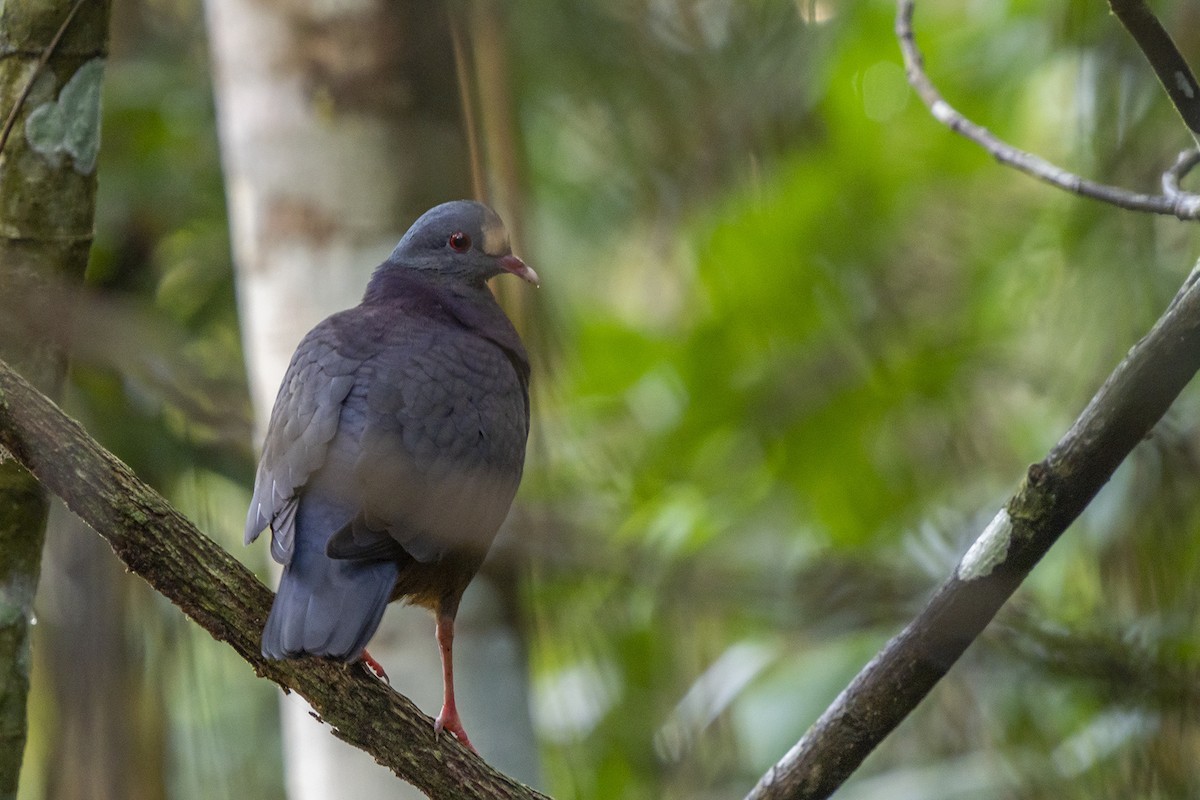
1183, 205
1184, 164
1168, 63
107, 331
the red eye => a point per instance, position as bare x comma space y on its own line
460, 242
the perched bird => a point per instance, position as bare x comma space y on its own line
396, 445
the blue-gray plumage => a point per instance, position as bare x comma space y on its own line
396, 445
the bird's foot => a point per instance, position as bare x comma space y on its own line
448, 720
374, 667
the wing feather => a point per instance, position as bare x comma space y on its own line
304, 420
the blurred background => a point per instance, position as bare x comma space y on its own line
795, 345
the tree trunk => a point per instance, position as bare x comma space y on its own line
47, 205
339, 126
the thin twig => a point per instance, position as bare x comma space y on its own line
1184, 206
37, 70
1168, 63
1184, 164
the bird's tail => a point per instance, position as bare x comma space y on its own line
327, 607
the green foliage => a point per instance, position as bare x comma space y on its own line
808, 341
837, 345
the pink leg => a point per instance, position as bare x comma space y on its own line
448, 718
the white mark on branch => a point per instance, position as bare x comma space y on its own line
989, 550
942, 111
1184, 85
70, 125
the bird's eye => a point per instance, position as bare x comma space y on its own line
460, 242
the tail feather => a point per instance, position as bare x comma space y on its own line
327, 607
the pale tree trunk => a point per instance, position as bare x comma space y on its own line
47, 205
339, 125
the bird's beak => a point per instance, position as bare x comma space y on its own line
516, 266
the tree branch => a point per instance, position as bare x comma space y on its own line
1053, 494
1184, 163
1183, 205
1165, 59
159, 544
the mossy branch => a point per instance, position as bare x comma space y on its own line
158, 543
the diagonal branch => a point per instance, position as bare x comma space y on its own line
1179, 204
1165, 59
1052, 495
227, 600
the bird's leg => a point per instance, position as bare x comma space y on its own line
368, 661
447, 718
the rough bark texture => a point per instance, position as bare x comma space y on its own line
1055, 491
340, 124
47, 204
155, 541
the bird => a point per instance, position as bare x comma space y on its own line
395, 447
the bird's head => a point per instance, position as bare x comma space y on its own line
460, 240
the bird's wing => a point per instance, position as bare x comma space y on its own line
442, 448
304, 420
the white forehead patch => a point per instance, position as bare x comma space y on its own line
495, 237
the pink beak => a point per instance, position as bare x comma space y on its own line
516, 266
